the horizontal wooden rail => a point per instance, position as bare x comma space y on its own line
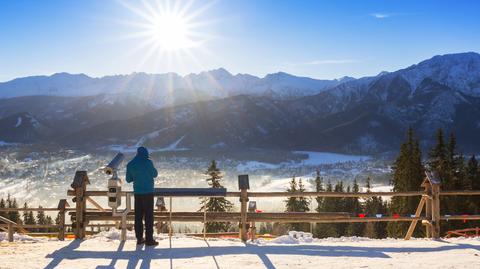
287, 194
444, 193
460, 217
33, 209
322, 194
291, 217
123, 193
334, 194
36, 226
307, 194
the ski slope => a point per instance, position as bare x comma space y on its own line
106, 251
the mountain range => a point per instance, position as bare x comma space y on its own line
216, 109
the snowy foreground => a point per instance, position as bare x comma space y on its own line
106, 251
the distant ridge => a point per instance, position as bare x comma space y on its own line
365, 115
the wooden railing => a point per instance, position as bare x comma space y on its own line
427, 212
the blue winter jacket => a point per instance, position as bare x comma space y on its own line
140, 170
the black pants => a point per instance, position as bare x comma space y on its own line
144, 210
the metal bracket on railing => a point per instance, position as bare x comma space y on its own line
123, 214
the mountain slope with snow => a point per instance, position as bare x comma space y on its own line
366, 115
22, 127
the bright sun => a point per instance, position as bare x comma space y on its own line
171, 32
167, 27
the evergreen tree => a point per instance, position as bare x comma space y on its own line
13, 215
28, 217
463, 204
215, 204
303, 202
408, 174
291, 203
41, 217
318, 188
3, 205
353, 205
438, 158
472, 181
450, 168
297, 204
373, 206
323, 230
49, 221
473, 172
339, 206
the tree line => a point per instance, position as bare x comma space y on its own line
27, 217
408, 172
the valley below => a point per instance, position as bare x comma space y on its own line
41, 176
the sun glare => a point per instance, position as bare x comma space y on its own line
170, 32
166, 27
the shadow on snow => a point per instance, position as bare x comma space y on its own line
146, 255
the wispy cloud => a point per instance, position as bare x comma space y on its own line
382, 15
323, 62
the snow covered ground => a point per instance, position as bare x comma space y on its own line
106, 251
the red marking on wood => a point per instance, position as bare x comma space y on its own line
361, 215
396, 216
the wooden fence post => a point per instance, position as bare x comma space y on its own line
79, 185
436, 210
10, 232
427, 187
434, 183
62, 204
418, 212
243, 185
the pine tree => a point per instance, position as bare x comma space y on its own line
463, 204
408, 174
49, 221
3, 205
373, 206
318, 188
340, 206
323, 230
303, 202
41, 218
291, 203
438, 158
297, 204
450, 168
28, 217
472, 177
472, 181
13, 215
215, 204
353, 205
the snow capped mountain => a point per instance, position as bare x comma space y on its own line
279, 111
436, 93
166, 89
458, 71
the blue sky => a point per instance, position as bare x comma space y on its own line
320, 39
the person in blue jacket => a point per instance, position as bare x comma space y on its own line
141, 172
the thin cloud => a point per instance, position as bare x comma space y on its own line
381, 15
